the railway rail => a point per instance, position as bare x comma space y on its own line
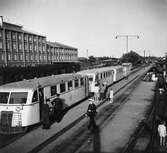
80, 135
70, 143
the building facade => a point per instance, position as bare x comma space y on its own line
57, 52
22, 48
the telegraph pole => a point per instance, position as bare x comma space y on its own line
127, 39
87, 53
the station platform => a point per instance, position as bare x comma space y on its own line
114, 136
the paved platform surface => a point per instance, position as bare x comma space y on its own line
116, 134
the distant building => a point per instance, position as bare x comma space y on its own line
22, 48
57, 52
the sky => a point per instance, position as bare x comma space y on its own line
92, 25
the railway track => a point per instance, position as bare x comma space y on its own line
105, 115
80, 136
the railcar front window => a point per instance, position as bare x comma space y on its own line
18, 98
4, 97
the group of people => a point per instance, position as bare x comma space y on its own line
57, 105
101, 92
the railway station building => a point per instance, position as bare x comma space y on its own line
22, 48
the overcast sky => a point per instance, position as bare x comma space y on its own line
93, 24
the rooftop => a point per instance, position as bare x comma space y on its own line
60, 45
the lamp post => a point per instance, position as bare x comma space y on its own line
127, 39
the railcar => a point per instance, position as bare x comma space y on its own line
107, 75
21, 102
118, 72
127, 68
98, 76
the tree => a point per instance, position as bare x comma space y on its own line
92, 59
132, 57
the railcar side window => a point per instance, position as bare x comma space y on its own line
101, 76
69, 85
18, 98
62, 87
82, 81
4, 97
97, 78
90, 78
53, 90
35, 96
76, 83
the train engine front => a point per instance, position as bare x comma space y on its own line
15, 110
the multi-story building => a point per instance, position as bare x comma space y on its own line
57, 52
19, 47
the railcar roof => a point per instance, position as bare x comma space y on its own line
98, 70
43, 81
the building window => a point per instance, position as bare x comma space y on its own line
31, 57
36, 57
14, 36
27, 58
43, 48
9, 57
35, 39
8, 45
2, 57
21, 57
35, 47
39, 40
0, 33
40, 47
19, 36
1, 45
52, 50
44, 57
14, 45
25, 37
30, 46
20, 46
30, 38
8, 35
15, 57
43, 40
25, 46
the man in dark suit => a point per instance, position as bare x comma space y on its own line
91, 113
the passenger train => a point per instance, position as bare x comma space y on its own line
21, 102
106, 75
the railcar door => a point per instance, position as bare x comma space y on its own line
41, 99
86, 86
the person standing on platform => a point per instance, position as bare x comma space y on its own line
162, 133
58, 107
91, 113
111, 96
96, 93
102, 91
45, 116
